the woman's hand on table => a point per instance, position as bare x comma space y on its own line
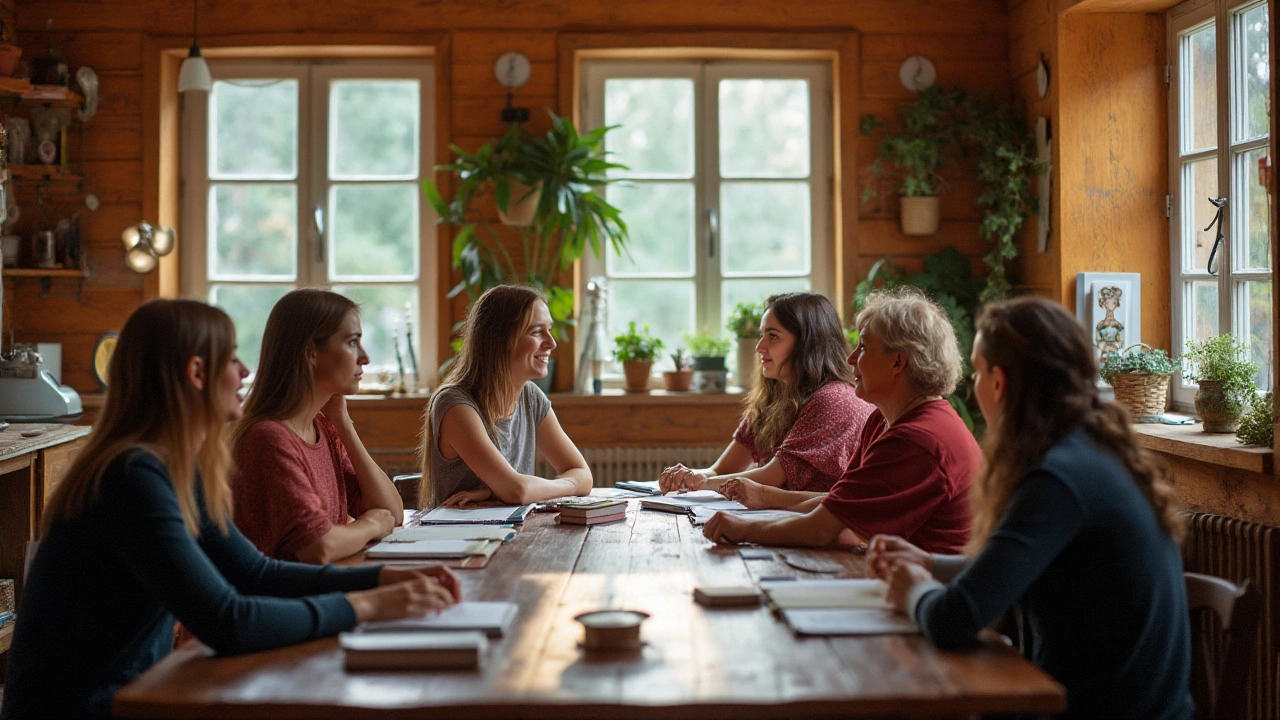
678, 477
419, 596
902, 576
885, 551
480, 497
746, 491
441, 574
726, 528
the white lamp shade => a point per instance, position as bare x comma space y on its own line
163, 238
131, 236
194, 74
140, 259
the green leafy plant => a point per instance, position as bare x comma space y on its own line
1221, 359
1257, 427
568, 168
744, 321
636, 345
680, 359
707, 345
1137, 361
946, 123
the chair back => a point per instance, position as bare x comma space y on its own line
1219, 687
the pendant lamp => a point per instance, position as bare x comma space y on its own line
194, 74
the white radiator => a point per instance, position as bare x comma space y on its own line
611, 464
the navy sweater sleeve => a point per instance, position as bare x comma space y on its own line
1042, 518
252, 573
148, 537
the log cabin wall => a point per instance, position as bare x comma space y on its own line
967, 39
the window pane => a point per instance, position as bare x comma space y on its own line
667, 306
656, 117
382, 315
764, 128
1201, 309
255, 129
765, 228
373, 129
1258, 330
733, 292
249, 306
1199, 183
375, 231
253, 231
1199, 96
660, 217
1257, 73
1250, 229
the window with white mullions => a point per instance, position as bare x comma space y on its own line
727, 191
307, 174
1219, 132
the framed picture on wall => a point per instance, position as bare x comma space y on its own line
1109, 305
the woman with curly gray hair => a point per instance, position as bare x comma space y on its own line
916, 458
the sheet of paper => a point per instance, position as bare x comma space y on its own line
426, 549
648, 487
700, 514
451, 532
826, 594
683, 501
491, 618
486, 515
860, 621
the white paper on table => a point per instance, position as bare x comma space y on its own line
427, 549
459, 516
491, 618
451, 532
648, 487
700, 514
857, 621
827, 594
714, 501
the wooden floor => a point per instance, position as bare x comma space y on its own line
696, 662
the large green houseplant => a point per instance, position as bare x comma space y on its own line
564, 170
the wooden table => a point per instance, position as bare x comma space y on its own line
696, 662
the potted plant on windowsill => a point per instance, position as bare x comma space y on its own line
1225, 377
1140, 379
681, 378
709, 372
744, 323
636, 350
554, 180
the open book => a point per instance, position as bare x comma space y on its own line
490, 618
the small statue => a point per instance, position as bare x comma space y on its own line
1110, 332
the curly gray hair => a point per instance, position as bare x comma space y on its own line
907, 321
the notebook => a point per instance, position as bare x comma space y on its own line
700, 514
592, 508
563, 519
682, 502
412, 650
848, 593
490, 618
426, 549
647, 487
451, 532
848, 621
502, 515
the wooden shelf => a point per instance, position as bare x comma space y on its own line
42, 173
43, 273
42, 95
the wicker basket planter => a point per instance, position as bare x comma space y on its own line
1144, 394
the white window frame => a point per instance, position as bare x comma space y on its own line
312, 181
1233, 181
706, 75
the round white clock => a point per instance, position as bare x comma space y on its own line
512, 70
917, 73
1042, 76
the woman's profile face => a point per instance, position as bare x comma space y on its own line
988, 384
532, 350
775, 347
230, 385
876, 373
339, 365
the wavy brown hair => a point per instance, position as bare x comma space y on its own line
482, 368
820, 356
1051, 390
152, 407
300, 320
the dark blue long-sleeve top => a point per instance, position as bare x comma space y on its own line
1097, 582
105, 586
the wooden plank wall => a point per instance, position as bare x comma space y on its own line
967, 39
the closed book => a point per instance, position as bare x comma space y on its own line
570, 520
412, 650
592, 509
726, 595
490, 618
426, 549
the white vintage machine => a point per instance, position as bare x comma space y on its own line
29, 393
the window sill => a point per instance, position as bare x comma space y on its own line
1192, 443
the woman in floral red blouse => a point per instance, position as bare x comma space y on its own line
803, 419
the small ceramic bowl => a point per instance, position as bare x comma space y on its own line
611, 629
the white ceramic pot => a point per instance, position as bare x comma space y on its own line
919, 215
523, 205
748, 362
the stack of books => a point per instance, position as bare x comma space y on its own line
592, 512
413, 650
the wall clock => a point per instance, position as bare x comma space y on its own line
917, 73
102, 352
512, 70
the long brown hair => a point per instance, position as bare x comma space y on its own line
151, 406
483, 366
1050, 391
820, 355
301, 320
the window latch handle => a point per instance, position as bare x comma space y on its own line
713, 230
318, 217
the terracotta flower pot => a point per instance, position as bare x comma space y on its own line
637, 372
1219, 411
919, 215
523, 205
678, 380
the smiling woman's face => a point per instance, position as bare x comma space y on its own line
533, 348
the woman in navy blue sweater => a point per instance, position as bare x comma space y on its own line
139, 532
1075, 528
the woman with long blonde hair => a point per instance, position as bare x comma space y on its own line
1076, 529
487, 420
302, 472
802, 420
139, 532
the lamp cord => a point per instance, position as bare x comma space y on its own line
195, 22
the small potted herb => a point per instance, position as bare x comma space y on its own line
1225, 377
744, 323
681, 378
636, 350
709, 351
1139, 375
1258, 427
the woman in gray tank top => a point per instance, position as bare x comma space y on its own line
486, 422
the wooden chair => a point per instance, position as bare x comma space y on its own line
1220, 692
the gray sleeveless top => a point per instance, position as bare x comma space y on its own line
517, 439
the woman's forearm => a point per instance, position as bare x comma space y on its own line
376, 489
